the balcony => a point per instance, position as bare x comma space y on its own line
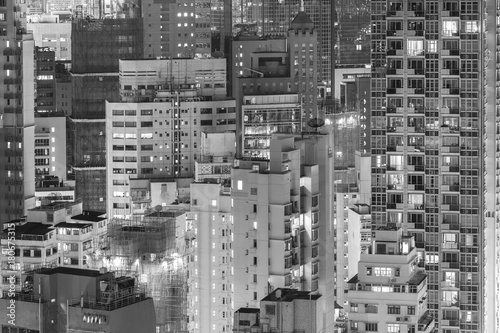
450, 226
426, 323
11, 52
11, 80
450, 91
450, 245
12, 66
451, 265
450, 13
416, 91
416, 109
12, 95
420, 168
450, 284
395, 52
450, 33
450, 188
415, 206
13, 109
450, 303
395, 13
450, 168
450, 52
450, 208
418, 33
450, 149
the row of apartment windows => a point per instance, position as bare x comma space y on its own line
203, 122
36, 253
391, 309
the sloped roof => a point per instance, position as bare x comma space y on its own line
302, 21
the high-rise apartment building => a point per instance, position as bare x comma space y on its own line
155, 132
217, 156
389, 293
284, 68
274, 18
283, 222
433, 136
97, 46
351, 33
263, 115
54, 35
178, 29
206, 244
17, 130
50, 147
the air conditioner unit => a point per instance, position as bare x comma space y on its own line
398, 319
392, 279
406, 318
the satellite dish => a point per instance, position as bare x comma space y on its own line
278, 294
316, 122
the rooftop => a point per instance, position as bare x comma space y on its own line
73, 225
71, 271
32, 228
417, 278
90, 216
248, 310
354, 279
167, 213
302, 21
288, 295
56, 205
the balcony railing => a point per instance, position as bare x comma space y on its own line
450, 245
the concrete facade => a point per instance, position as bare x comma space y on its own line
206, 240
50, 147
389, 293
283, 222
17, 169
55, 36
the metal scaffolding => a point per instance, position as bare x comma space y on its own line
145, 247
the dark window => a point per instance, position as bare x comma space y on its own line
270, 309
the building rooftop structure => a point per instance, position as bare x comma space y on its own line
289, 295
391, 286
79, 300
29, 229
89, 216
72, 271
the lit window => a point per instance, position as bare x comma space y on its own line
471, 27
432, 46
214, 203
240, 185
